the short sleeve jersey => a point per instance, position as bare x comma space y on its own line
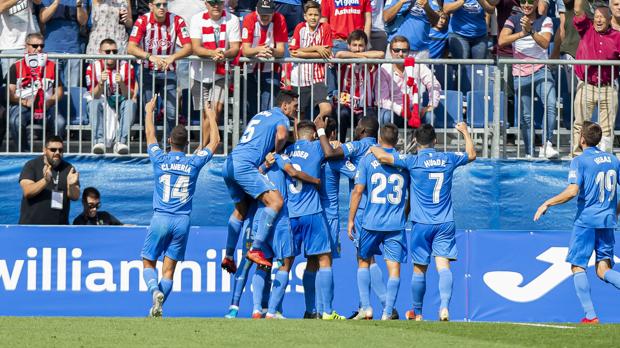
431, 183
303, 198
386, 189
345, 16
596, 174
259, 137
175, 179
278, 178
469, 20
331, 172
354, 151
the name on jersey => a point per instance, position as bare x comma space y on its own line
435, 163
177, 167
375, 164
602, 159
343, 3
299, 154
345, 11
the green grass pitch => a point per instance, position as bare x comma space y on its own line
186, 332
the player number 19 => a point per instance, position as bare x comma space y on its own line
606, 182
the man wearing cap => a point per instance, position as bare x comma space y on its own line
215, 36
264, 36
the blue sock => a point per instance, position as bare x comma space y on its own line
445, 287
150, 278
278, 291
266, 291
376, 279
326, 281
264, 226
165, 285
418, 289
363, 286
613, 278
582, 287
258, 284
241, 278
390, 296
320, 301
234, 229
309, 282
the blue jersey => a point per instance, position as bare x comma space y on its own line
415, 25
387, 187
431, 184
469, 20
596, 173
303, 198
259, 137
330, 184
175, 179
355, 151
278, 178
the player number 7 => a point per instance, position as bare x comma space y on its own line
438, 185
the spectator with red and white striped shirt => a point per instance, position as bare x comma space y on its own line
357, 87
264, 36
311, 39
215, 36
112, 87
154, 38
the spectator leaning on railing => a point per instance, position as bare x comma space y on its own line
393, 86
16, 21
216, 37
530, 34
49, 184
33, 91
91, 202
154, 38
112, 90
596, 83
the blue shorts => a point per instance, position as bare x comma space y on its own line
432, 240
166, 234
243, 178
282, 241
394, 245
312, 231
586, 240
334, 236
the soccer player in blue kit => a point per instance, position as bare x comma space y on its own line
593, 177
265, 132
307, 222
175, 182
433, 230
384, 218
365, 137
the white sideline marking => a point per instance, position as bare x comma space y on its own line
544, 325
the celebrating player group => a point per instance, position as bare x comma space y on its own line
286, 205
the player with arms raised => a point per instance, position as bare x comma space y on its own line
593, 177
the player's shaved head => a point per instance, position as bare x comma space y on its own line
367, 127
178, 136
306, 129
591, 133
425, 135
389, 134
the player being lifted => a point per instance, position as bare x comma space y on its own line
433, 231
266, 132
175, 182
593, 177
383, 220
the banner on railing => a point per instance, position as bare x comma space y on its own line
97, 271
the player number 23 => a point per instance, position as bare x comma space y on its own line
606, 182
178, 190
381, 181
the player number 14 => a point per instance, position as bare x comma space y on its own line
178, 190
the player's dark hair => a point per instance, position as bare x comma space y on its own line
370, 125
305, 127
592, 133
357, 35
331, 126
53, 139
389, 134
425, 135
285, 97
107, 41
178, 136
90, 192
311, 4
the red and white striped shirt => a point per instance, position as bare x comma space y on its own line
160, 39
308, 74
98, 68
256, 35
357, 86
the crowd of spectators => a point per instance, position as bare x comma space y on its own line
160, 33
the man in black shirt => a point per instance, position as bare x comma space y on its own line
49, 184
91, 201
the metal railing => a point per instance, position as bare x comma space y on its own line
478, 91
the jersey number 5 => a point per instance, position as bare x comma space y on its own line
606, 182
249, 132
381, 181
178, 190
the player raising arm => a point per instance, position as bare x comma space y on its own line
593, 177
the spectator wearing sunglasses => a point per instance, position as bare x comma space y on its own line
91, 202
112, 90
49, 184
33, 93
